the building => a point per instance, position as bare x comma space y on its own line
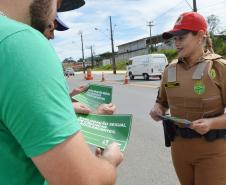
131, 49
106, 62
141, 47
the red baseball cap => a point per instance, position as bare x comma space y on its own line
188, 21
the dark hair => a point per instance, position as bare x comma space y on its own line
40, 11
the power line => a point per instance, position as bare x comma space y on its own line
212, 5
179, 4
189, 4
159, 16
209, 12
168, 10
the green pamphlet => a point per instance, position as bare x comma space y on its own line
102, 130
95, 95
176, 120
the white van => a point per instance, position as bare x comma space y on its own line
151, 65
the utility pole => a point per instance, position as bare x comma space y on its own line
150, 25
83, 59
112, 47
92, 61
194, 6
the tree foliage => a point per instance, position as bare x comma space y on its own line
213, 23
219, 44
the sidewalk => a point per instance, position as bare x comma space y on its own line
105, 72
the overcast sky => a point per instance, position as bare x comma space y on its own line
129, 19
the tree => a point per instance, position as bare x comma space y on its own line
223, 32
213, 22
218, 40
219, 44
80, 60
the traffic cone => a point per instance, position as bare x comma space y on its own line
89, 74
102, 78
126, 81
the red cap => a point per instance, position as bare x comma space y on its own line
189, 21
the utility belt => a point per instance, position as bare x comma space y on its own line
171, 131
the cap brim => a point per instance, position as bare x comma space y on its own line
67, 5
170, 34
60, 25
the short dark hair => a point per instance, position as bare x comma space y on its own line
40, 11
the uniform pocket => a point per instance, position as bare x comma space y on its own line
212, 106
187, 108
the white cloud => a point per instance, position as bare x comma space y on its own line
130, 17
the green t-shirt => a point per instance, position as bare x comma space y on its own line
36, 112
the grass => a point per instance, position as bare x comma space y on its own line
121, 65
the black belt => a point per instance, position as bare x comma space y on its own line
171, 131
209, 136
186, 133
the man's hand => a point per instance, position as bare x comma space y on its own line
74, 170
202, 126
106, 109
81, 108
78, 90
112, 154
156, 111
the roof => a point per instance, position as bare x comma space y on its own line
155, 39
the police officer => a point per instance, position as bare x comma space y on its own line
194, 88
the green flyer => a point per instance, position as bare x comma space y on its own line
183, 122
102, 130
95, 95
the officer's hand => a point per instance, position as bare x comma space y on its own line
202, 126
106, 109
78, 90
81, 108
112, 154
156, 111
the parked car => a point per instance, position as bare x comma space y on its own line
69, 72
151, 65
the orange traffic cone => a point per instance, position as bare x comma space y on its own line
89, 74
126, 81
102, 78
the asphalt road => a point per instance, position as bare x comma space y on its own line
147, 161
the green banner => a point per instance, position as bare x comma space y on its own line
95, 95
102, 130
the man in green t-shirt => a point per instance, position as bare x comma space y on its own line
39, 133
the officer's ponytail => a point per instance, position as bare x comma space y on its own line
209, 44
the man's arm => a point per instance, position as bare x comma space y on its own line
72, 162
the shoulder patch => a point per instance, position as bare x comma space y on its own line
221, 61
212, 56
173, 62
